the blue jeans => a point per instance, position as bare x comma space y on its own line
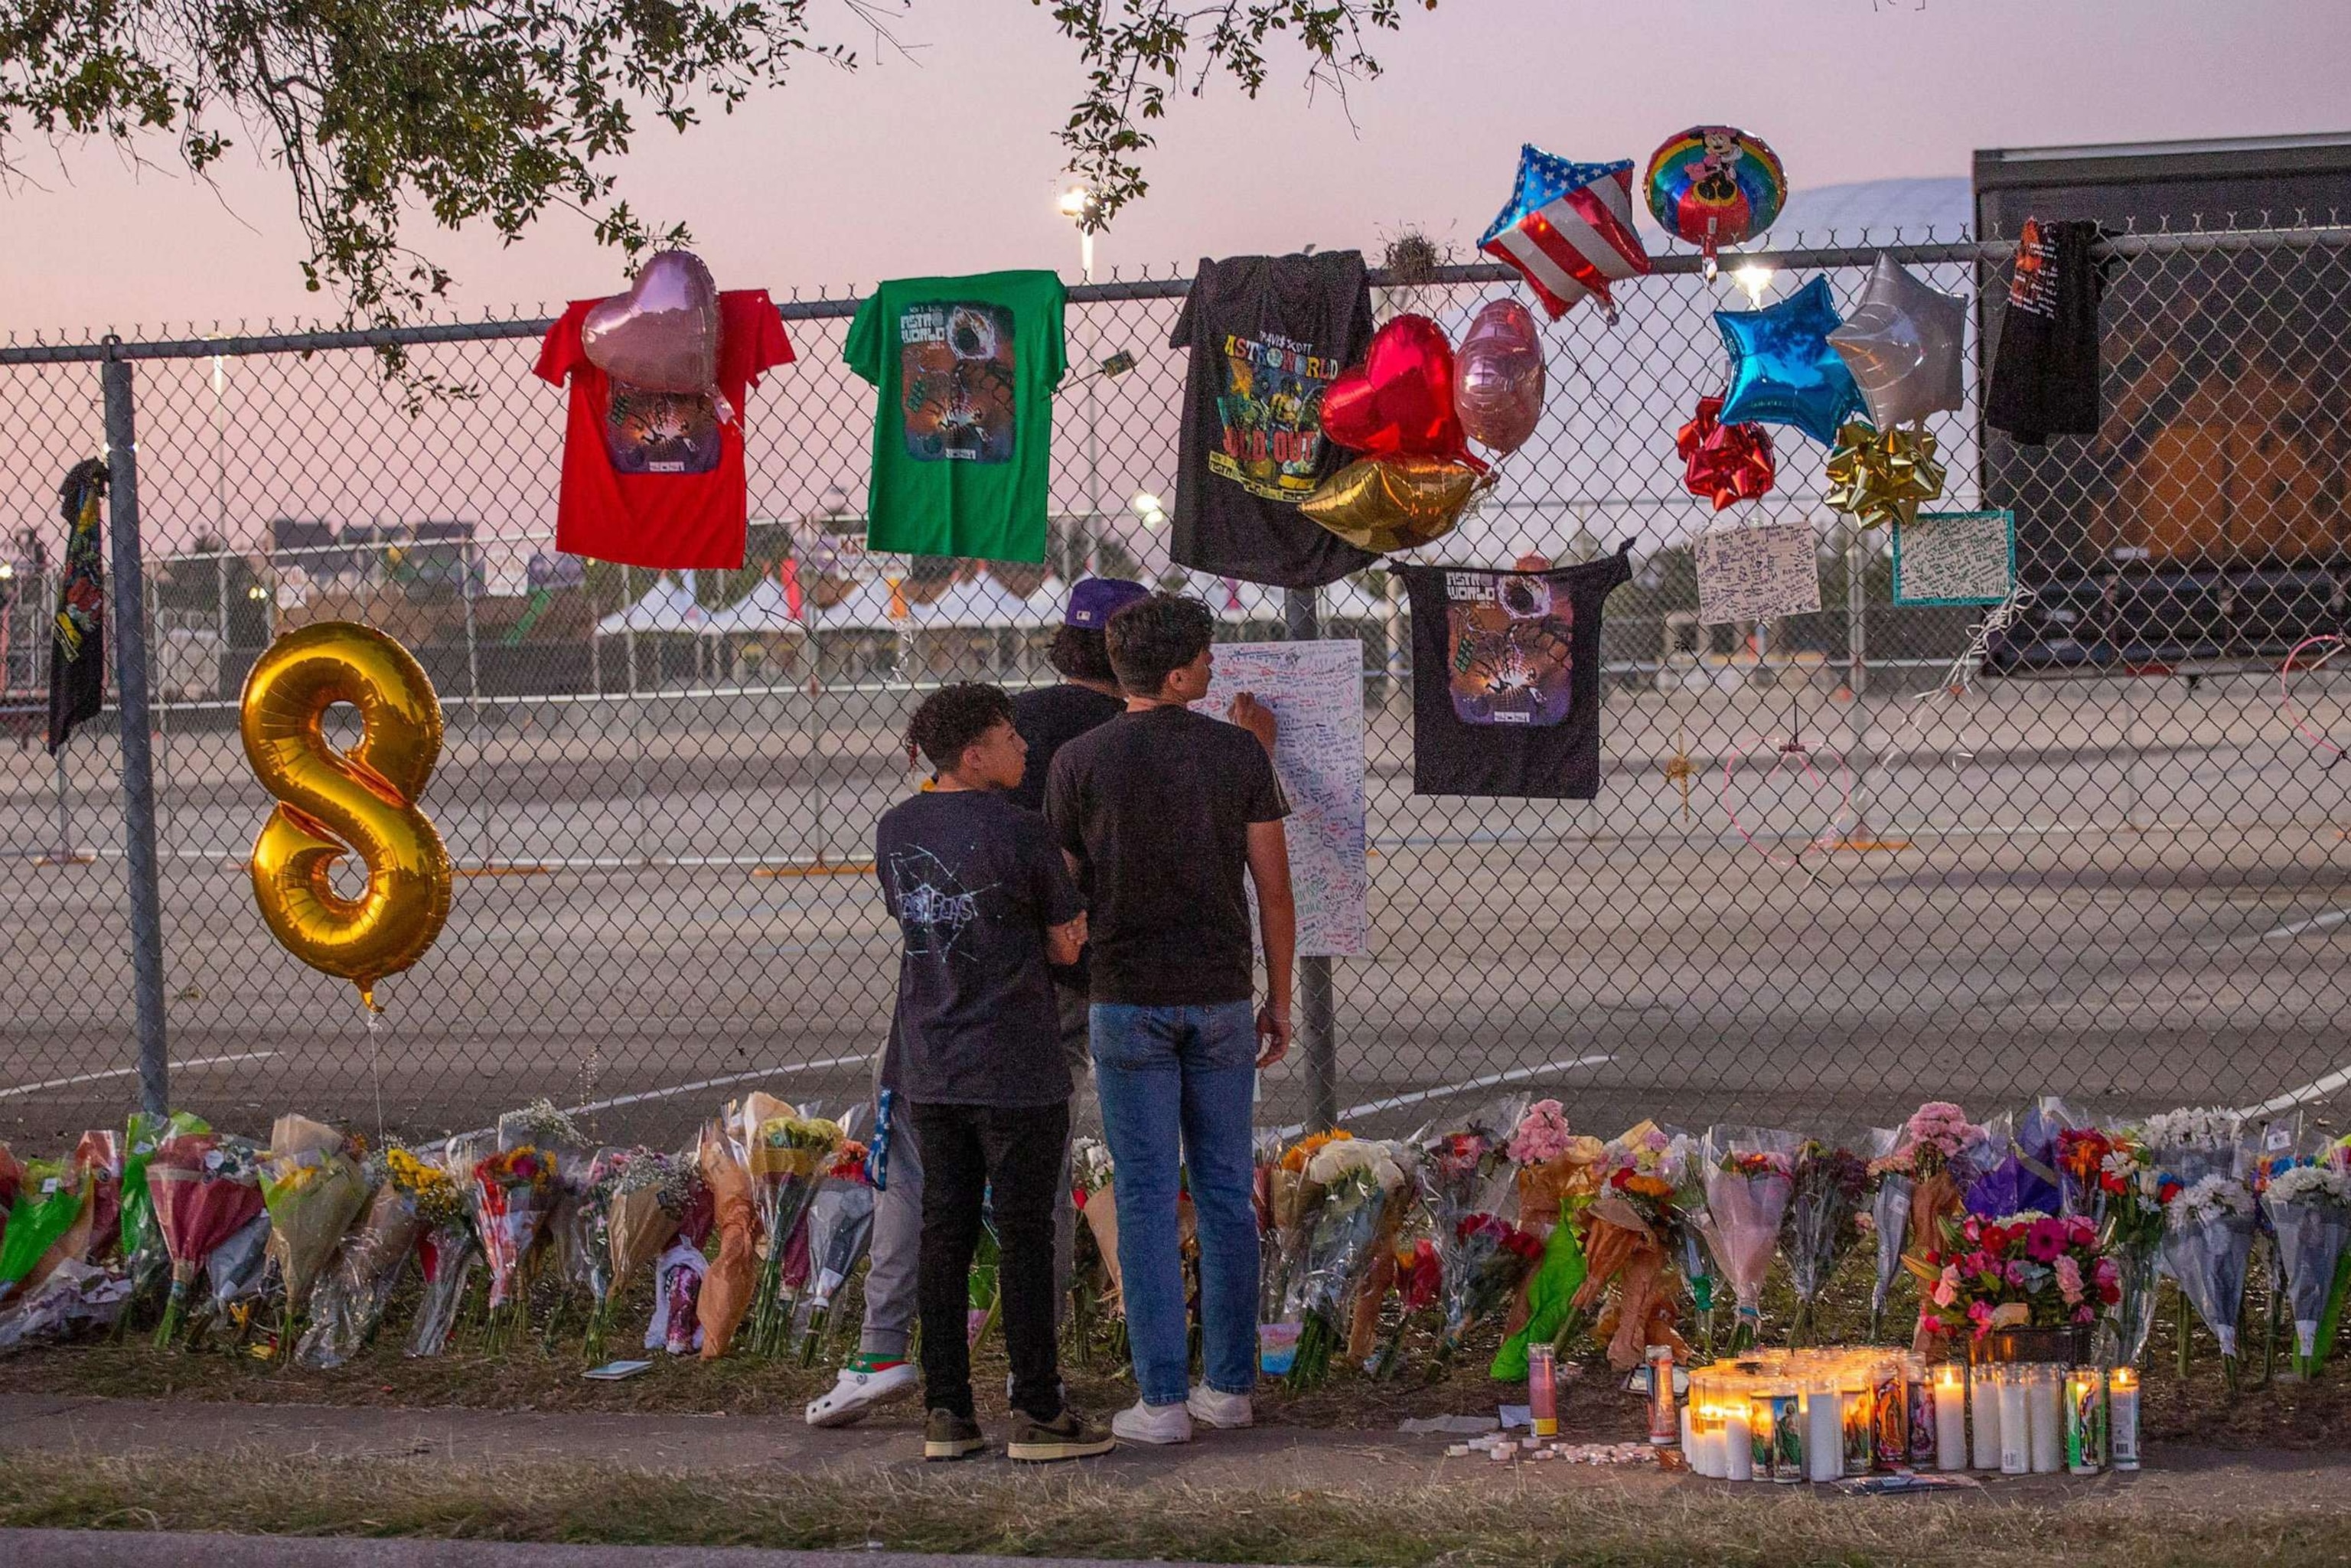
1177, 1085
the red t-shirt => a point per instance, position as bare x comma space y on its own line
652, 478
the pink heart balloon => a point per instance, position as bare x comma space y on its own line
663, 334
1497, 377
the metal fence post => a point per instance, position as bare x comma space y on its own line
1856, 635
137, 759
1317, 1032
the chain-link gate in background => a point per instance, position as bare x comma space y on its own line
2111, 873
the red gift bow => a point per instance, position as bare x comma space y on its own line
1727, 462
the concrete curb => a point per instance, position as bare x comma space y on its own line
165, 1549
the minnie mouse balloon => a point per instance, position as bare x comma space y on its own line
1399, 403
663, 334
1715, 185
1497, 377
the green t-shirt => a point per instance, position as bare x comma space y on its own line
963, 434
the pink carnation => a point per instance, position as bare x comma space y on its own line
1542, 1135
2105, 1273
2069, 1281
2080, 1232
1947, 1288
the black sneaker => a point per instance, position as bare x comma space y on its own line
1068, 1435
947, 1435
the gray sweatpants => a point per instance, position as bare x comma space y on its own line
890, 1275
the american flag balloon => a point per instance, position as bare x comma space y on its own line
1569, 230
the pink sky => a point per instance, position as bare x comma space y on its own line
948, 163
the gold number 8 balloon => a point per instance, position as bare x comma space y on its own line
331, 803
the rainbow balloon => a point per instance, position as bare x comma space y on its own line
1715, 185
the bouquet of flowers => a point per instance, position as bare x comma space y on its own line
144, 1253
1465, 1179
98, 1158
1348, 1190
2192, 1143
2310, 1208
2133, 1195
2081, 1173
1484, 1264
725, 1293
1290, 1211
49, 1200
2028, 1269
1749, 1176
1094, 1189
205, 1189
1825, 1203
349, 1304
448, 1247
1888, 1220
789, 1155
642, 1196
840, 1228
513, 1192
1631, 1233
1557, 1175
2208, 1237
312, 1188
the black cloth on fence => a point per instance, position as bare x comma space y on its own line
78, 635
2044, 377
1506, 678
1267, 335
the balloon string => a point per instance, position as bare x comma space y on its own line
1786, 749
1959, 679
375, 1071
2293, 715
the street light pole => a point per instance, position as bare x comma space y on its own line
1080, 206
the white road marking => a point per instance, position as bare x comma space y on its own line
2316, 1089
1516, 1075
2315, 923
127, 1072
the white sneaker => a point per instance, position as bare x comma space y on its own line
1159, 1424
857, 1390
1215, 1407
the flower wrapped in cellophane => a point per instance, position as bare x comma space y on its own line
51, 1198
1631, 1237
1828, 1190
787, 1156
1888, 1222
1484, 1263
407, 1196
641, 1195
840, 1230
312, 1188
1348, 1194
450, 1247
1750, 1175
144, 1256
2208, 1237
1556, 1171
514, 1193
2081, 1172
2193, 1143
2310, 1209
1289, 1214
2133, 1197
2027, 1270
207, 1188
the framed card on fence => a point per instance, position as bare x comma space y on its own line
1955, 557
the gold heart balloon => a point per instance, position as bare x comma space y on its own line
1881, 476
1387, 504
331, 803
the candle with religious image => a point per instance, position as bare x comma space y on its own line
2085, 1421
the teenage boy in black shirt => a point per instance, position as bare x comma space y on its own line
983, 901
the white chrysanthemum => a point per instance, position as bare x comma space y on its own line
2194, 1128
2213, 1197
2312, 1184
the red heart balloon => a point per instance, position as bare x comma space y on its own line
1400, 402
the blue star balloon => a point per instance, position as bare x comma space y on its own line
1784, 370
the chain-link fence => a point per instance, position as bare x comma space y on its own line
2111, 872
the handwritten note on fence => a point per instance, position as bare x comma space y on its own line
1955, 557
1754, 574
1316, 692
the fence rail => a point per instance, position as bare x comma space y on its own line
2115, 873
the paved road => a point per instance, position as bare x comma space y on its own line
2128, 894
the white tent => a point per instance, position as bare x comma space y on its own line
766, 609
667, 606
867, 609
980, 603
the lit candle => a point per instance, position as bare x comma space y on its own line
1737, 1443
2015, 1420
2085, 1421
1983, 1405
1689, 1443
1823, 1431
1706, 1430
1951, 1417
2122, 1418
2047, 1418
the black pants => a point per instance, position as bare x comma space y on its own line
970, 1152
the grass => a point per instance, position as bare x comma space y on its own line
1066, 1513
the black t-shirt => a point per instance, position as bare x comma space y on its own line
1506, 678
2044, 377
1157, 806
1046, 719
973, 881
1267, 335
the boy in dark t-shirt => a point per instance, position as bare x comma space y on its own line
983, 901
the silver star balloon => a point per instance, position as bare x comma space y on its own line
1903, 345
